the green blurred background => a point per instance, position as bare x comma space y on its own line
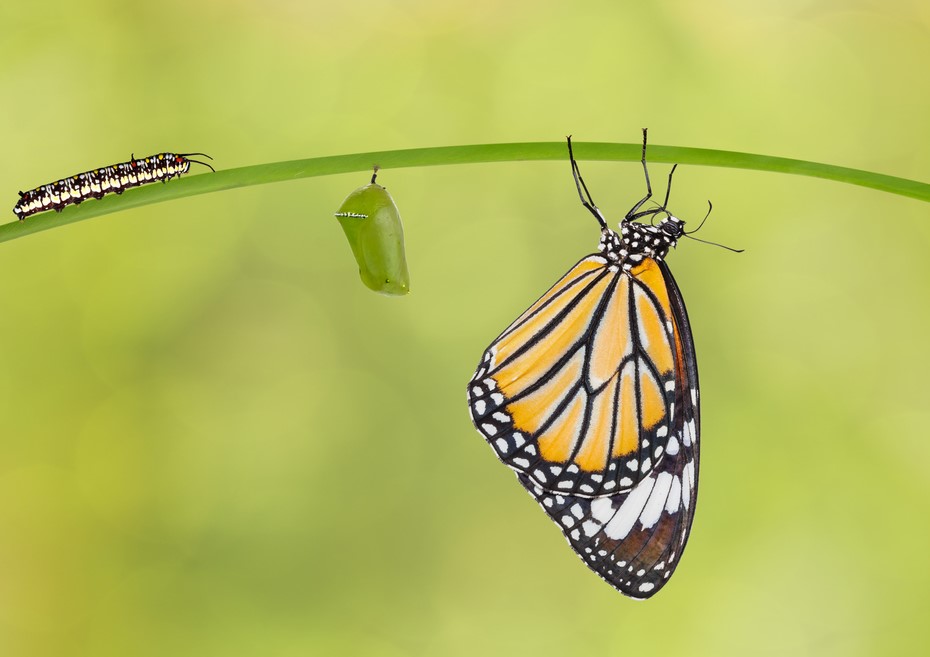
216, 441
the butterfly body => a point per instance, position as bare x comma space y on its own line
591, 396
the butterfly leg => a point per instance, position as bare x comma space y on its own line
657, 210
583, 192
632, 214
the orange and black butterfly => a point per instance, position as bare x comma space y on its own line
591, 395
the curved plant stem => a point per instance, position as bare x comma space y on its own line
444, 155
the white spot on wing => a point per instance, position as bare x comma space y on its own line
687, 436
602, 510
657, 500
590, 528
674, 496
626, 516
687, 483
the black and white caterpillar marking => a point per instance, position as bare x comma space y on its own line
97, 183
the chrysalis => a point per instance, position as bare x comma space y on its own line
372, 225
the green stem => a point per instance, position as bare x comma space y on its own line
419, 157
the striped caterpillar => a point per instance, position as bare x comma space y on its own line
96, 183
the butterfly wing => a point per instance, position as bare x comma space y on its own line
591, 396
578, 392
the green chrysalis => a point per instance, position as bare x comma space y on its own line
372, 225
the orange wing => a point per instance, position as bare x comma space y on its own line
578, 393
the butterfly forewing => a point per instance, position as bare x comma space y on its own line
578, 393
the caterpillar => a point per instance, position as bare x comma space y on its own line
97, 183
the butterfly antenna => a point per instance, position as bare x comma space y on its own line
710, 207
722, 246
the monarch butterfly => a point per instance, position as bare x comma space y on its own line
371, 221
591, 396
96, 183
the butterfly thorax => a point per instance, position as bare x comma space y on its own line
637, 241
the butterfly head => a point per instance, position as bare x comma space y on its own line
638, 241
672, 228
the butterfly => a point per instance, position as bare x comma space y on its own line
591, 396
